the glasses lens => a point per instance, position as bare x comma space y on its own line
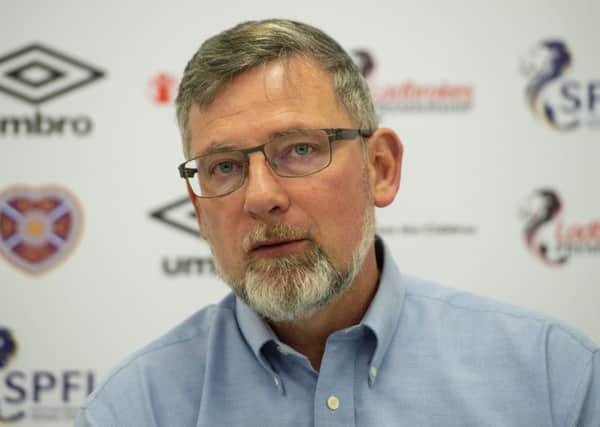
299, 153
217, 173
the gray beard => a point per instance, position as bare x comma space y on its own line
294, 287
290, 288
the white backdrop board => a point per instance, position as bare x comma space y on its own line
497, 103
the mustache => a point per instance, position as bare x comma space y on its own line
274, 232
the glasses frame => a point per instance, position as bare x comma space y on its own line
333, 135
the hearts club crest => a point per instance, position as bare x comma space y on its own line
39, 226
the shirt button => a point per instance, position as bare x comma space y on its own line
333, 402
373, 372
276, 380
282, 350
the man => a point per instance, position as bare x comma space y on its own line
285, 166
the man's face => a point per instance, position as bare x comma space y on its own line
271, 237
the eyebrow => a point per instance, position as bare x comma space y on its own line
287, 132
216, 147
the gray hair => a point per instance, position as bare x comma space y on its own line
249, 44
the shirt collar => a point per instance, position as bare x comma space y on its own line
383, 314
255, 330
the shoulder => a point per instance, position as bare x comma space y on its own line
173, 363
484, 313
175, 346
517, 345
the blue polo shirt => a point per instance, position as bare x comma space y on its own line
423, 355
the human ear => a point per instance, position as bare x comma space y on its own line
385, 164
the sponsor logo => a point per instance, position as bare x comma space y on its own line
8, 347
40, 395
162, 88
563, 103
429, 229
411, 96
36, 74
549, 236
39, 227
179, 215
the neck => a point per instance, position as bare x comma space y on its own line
309, 335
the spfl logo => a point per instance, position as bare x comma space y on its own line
36, 74
40, 395
563, 103
549, 236
8, 349
179, 214
410, 96
39, 227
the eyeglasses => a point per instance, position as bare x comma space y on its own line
293, 153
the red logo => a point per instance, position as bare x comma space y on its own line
162, 88
39, 226
410, 96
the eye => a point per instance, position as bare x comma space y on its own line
224, 167
302, 149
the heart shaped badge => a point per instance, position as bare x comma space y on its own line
39, 226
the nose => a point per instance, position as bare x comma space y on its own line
265, 197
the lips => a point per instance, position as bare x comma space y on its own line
270, 243
276, 247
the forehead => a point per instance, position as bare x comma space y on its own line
266, 99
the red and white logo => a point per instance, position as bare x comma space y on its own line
411, 96
162, 88
39, 226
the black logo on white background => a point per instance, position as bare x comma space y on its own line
37, 73
178, 214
